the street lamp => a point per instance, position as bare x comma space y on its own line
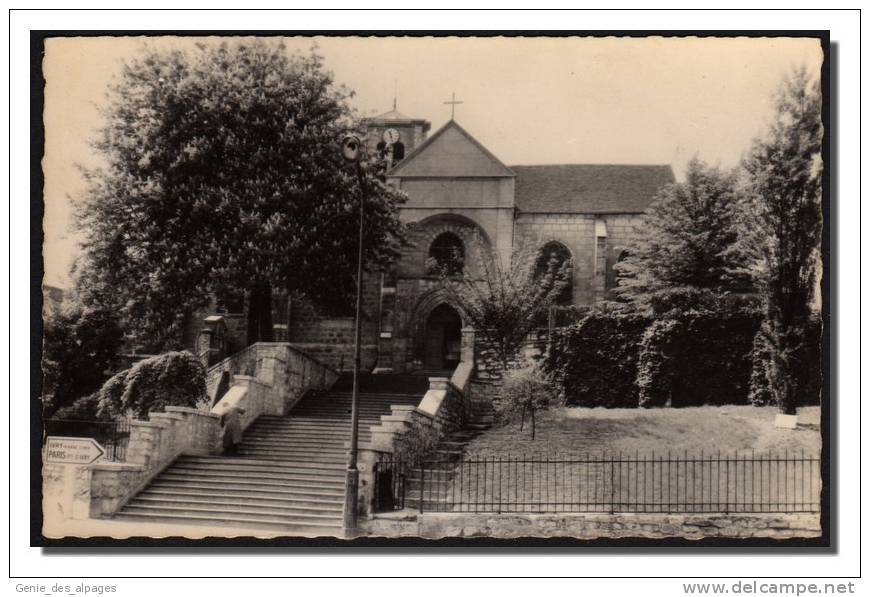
351, 151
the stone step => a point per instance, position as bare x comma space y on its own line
262, 466
277, 454
321, 455
234, 477
235, 512
294, 452
306, 528
302, 446
248, 486
319, 420
211, 503
290, 448
302, 439
208, 492
310, 430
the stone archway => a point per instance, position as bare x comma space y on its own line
434, 314
442, 345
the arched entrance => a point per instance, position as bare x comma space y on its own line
443, 342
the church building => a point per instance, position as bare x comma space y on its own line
460, 193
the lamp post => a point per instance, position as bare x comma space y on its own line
351, 149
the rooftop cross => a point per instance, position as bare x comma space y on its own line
453, 103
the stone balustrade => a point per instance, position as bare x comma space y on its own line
268, 378
444, 407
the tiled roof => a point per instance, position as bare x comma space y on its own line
588, 188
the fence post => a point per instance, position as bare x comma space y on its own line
612, 506
422, 484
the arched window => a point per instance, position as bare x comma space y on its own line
398, 152
555, 254
448, 254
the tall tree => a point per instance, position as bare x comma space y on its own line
784, 170
223, 173
79, 350
504, 301
688, 248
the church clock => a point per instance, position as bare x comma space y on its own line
391, 135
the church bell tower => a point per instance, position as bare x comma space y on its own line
395, 135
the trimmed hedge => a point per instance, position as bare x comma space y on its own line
700, 358
170, 379
615, 358
594, 362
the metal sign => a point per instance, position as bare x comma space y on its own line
73, 450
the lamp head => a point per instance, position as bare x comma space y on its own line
351, 148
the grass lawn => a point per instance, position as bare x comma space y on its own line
711, 429
704, 459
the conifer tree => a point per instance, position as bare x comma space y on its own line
688, 250
223, 173
784, 170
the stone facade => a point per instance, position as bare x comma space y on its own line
456, 186
594, 526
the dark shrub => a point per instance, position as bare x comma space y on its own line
809, 368
83, 409
697, 358
171, 379
594, 362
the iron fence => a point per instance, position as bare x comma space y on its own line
653, 483
112, 435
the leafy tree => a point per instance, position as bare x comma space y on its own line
504, 302
784, 170
80, 344
688, 247
170, 379
223, 174
524, 392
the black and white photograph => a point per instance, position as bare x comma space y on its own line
385, 287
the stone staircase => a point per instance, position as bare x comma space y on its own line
289, 473
435, 490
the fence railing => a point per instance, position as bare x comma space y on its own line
112, 435
655, 483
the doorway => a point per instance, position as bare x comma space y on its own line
443, 346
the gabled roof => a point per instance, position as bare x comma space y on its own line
391, 115
588, 188
450, 152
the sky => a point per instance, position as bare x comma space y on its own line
528, 100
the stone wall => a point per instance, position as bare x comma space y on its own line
595, 243
487, 364
340, 356
331, 339
153, 445
279, 375
444, 407
288, 370
593, 526
66, 493
577, 233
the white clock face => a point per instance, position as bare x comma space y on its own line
391, 136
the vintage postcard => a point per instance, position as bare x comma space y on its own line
434, 287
